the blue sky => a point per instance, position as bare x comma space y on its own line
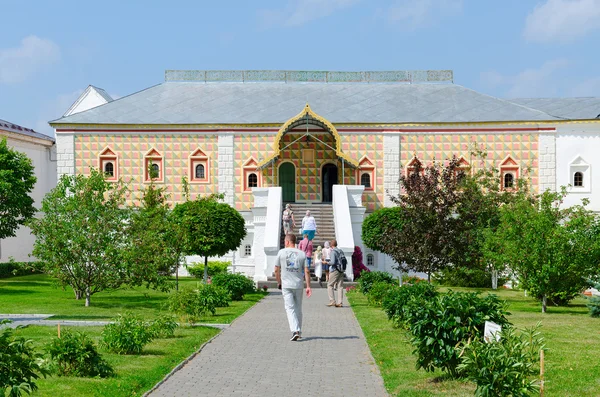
51, 51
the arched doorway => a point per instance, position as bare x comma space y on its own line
329, 177
287, 181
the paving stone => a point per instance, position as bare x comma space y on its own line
254, 357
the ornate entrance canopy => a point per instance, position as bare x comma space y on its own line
307, 117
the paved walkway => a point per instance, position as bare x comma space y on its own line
254, 357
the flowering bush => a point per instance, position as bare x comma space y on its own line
357, 263
351, 289
264, 287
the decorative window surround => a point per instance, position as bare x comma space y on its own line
153, 157
463, 166
366, 169
579, 165
198, 161
106, 158
410, 167
509, 166
251, 176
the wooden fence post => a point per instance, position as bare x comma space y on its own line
542, 373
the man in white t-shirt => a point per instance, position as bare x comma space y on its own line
291, 272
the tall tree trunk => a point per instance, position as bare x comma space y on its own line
205, 269
78, 294
177, 277
87, 297
544, 304
494, 279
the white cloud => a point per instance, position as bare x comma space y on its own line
300, 12
412, 14
18, 64
562, 20
540, 82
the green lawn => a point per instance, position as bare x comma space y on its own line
40, 294
135, 374
572, 338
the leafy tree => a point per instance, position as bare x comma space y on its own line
421, 234
209, 228
481, 197
82, 236
155, 247
554, 251
17, 181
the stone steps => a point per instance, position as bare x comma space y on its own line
323, 214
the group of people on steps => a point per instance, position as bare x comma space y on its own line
292, 268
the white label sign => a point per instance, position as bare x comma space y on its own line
491, 331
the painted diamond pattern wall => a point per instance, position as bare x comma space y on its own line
522, 147
131, 149
308, 176
245, 146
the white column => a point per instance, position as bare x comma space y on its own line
226, 167
267, 230
65, 154
547, 162
391, 167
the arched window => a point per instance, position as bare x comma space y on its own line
154, 171
365, 179
154, 166
252, 180
109, 169
370, 260
509, 180
247, 250
200, 171
578, 179
108, 162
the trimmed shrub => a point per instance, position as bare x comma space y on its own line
214, 268
19, 364
593, 305
397, 304
163, 327
379, 291
238, 285
465, 277
75, 354
127, 335
190, 305
439, 325
506, 367
406, 279
12, 268
367, 280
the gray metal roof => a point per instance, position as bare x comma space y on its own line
17, 129
102, 93
568, 108
276, 102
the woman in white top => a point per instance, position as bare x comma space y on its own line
318, 261
309, 225
325, 257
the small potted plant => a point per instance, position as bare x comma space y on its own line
264, 287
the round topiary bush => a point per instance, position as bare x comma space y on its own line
238, 285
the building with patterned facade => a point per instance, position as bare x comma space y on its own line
264, 138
